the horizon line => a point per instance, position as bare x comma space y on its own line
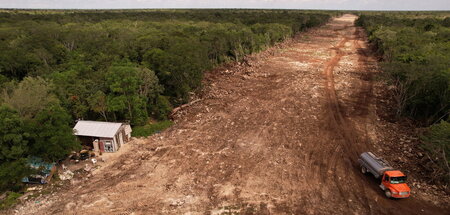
225, 8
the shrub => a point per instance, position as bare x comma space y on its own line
10, 200
147, 130
437, 143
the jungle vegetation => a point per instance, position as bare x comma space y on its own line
58, 66
415, 52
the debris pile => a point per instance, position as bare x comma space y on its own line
66, 175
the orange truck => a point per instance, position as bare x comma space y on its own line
393, 182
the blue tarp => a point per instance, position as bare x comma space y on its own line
44, 170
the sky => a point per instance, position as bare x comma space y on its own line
278, 4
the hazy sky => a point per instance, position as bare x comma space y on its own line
292, 4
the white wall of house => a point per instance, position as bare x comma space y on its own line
109, 144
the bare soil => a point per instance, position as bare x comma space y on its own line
279, 134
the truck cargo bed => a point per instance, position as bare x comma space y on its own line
374, 164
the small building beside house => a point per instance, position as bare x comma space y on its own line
102, 136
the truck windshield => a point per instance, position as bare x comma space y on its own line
398, 180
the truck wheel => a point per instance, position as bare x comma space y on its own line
363, 170
388, 193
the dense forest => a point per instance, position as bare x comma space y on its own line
415, 51
125, 65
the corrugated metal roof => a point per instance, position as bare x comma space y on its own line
96, 129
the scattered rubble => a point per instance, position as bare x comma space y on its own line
35, 188
66, 175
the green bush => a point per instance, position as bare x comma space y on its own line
416, 58
148, 130
10, 200
437, 143
415, 51
162, 108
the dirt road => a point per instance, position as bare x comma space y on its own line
279, 136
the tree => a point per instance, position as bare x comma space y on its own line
13, 149
159, 61
149, 87
30, 96
124, 98
97, 103
161, 108
52, 135
72, 90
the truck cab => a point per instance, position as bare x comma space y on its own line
394, 184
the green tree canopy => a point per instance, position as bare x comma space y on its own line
13, 149
52, 134
126, 86
30, 96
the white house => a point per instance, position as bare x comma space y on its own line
102, 136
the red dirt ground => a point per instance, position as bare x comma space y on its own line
280, 135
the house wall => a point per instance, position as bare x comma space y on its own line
116, 145
127, 131
108, 147
88, 141
115, 142
117, 138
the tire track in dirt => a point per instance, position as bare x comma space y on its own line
337, 120
349, 116
336, 117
